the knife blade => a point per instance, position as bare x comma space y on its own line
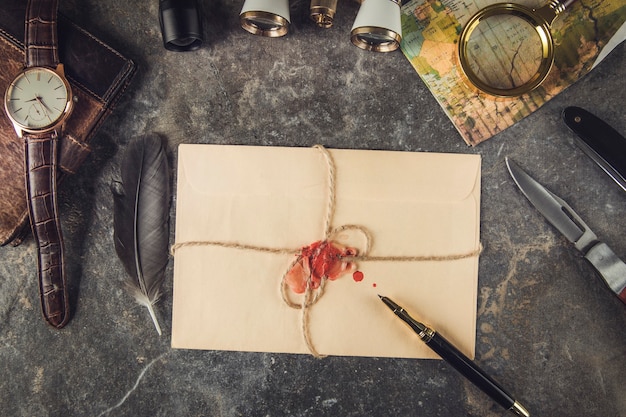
558, 213
603, 144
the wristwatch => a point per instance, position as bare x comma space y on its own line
38, 102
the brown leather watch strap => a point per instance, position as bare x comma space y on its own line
41, 34
41, 153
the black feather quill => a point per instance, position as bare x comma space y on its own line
141, 219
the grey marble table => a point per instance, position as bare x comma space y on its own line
547, 328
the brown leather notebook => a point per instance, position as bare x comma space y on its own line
98, 75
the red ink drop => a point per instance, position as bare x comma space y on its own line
357, 276
374, 285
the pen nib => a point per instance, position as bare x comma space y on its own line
392, 306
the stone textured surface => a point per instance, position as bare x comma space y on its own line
547, 327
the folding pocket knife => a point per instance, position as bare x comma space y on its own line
610, 268
603, 144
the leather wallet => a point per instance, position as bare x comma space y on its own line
98, 75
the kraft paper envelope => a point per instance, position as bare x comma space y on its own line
412, 204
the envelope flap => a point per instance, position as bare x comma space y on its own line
259, 195
392, 175
383, 174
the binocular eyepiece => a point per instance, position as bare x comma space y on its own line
377, 26
181, 25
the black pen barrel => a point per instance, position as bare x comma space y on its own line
458, 360
470, 370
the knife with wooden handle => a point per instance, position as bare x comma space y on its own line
599, 141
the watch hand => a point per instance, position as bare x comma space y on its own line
40, 101
44, 108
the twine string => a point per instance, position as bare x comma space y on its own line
312, 295
330, 209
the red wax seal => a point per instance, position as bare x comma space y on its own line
322, 259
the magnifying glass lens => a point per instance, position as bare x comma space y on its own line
504, 51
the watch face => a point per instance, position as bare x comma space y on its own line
37, 99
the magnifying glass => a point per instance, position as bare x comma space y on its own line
507, 49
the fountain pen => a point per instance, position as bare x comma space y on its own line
458, 360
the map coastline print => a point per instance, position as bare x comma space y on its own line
431, 30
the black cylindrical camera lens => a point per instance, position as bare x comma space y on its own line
181, 25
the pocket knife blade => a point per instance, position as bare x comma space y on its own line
558, 213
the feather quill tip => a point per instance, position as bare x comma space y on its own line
146, 302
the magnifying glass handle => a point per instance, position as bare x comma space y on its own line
550, 11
